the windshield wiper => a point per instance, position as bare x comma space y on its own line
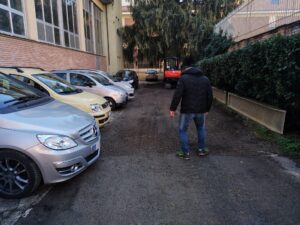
69, 92
22, 99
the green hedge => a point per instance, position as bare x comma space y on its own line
267, 71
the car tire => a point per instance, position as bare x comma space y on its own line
112, 103
19, 175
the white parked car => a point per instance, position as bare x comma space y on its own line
126, 86
91, 82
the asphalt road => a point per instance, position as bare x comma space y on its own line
139, 181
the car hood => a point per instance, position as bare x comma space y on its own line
85, 98
50, 118
124, 86
116, 88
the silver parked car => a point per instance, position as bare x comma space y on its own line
113, 80
91, 82
41, 139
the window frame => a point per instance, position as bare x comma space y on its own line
89, 43
74, 22
11, 10
98, 16
52, 25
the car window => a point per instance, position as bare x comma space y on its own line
114, 78
135, 75
128, 75
30, 82
56, 84
13, 92
61, 75
101, 79
119, 74
81, 80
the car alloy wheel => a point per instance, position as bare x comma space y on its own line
19, 175
13, 176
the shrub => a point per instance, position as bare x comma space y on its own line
267, 71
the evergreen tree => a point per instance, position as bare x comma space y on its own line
175, 28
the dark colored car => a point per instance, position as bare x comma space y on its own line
151, 75
128, 75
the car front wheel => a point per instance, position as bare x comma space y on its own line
19, 175
111, 102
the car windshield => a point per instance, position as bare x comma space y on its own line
13, 92
101, 79
57, 84
114, 78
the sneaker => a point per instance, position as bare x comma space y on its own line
202, 152
183, 155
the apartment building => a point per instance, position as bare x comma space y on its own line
127, 19
61, 34
256, 17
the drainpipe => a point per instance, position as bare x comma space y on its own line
108, 50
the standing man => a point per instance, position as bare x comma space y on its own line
195, 93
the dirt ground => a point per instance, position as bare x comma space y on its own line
139, 181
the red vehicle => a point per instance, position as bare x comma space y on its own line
171, 70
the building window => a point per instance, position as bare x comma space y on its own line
88, 25
12, 17
275, 2
69, 12
98, 30
47, 21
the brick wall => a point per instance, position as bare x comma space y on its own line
22, 52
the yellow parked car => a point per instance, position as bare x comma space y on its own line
62, 91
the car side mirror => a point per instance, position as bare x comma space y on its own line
88, 84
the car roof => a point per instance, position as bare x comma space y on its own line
26, 72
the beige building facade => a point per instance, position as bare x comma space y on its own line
127, 19
61, 34
255, 17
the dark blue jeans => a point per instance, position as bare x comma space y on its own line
184, 121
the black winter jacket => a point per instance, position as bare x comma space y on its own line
194, 91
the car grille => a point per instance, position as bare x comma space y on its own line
91, 156
105, 105
103, 120
89, 133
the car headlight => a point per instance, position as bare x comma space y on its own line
57, 142
95, 107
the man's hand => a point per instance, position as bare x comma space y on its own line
172, 114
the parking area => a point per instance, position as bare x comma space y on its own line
139, 181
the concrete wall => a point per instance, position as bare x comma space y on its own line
265, 115
220, 95
23, 52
